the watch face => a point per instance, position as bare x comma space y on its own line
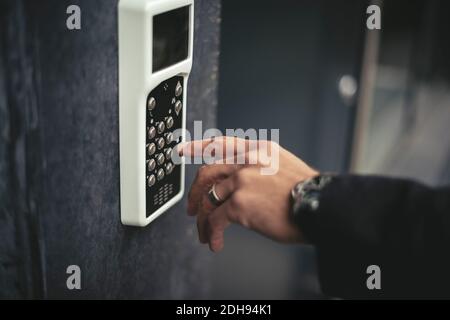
306, 195
311, 200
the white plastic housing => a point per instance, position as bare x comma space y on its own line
136, 81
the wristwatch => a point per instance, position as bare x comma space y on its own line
305, 197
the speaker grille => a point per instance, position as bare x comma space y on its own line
163, 195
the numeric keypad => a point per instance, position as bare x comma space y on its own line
164, 116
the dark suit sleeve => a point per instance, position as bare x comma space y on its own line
399, 225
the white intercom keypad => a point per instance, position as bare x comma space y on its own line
155, 59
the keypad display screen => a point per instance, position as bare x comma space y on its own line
170, 38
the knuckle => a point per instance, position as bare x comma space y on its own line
245, 222
238, 201
242, 178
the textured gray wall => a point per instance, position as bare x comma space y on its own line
59, 161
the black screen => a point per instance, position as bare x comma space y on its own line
170, 38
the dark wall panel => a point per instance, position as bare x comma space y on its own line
70, 161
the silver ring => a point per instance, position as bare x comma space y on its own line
213, 197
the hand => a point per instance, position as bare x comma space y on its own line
256, 201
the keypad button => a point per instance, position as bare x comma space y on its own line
151, 165
160, 175
178, 89
169, 168
168, 153
178, 107
169, 122
161, 143
151, 148
160, 159
161, 127
151, 104
151, 132
169, 138
151, 180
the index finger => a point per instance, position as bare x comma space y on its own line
193, 148
230, 146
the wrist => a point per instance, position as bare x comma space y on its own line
305, 203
